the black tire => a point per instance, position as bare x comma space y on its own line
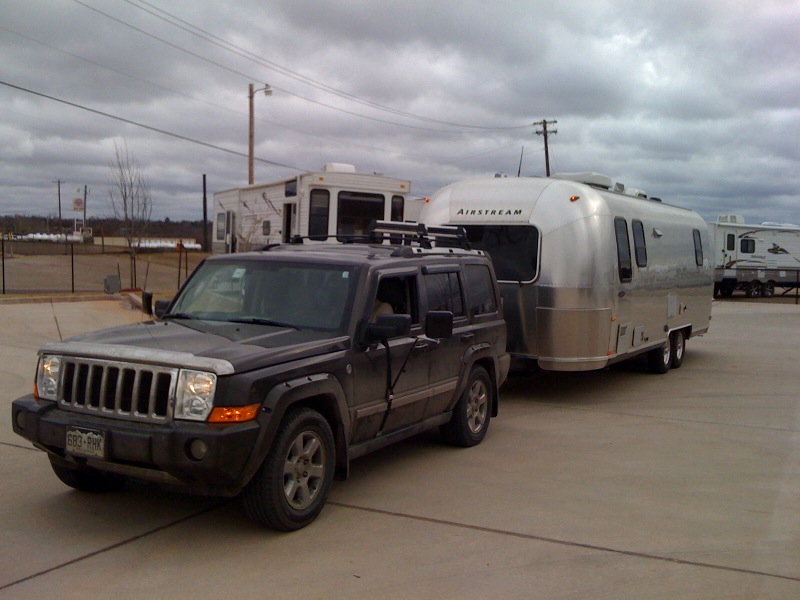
754, 289
660, 359
768, 289
472, 412
86, 479
291, 486
677, 348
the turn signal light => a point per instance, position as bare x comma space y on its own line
234, 414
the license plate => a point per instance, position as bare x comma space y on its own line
86, 442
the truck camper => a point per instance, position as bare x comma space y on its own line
590, 275
755, 259
321, 206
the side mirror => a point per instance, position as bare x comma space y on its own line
147, 303
387, 327
161, 308
439, 324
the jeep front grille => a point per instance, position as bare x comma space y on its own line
118, 390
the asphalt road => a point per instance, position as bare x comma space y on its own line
610, 484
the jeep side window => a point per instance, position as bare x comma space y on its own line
444, 293
481, 296
396, 295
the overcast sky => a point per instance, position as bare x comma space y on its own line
694, 101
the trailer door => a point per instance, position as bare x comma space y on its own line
625, 334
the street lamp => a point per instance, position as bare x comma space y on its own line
267, 92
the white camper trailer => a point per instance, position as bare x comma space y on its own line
589, 276
335, 201
754, 258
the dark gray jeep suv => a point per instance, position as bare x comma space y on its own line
271, 370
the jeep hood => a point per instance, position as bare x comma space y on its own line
220, 346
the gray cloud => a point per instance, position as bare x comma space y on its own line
694, 101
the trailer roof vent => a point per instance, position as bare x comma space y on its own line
784, 225
589, 178
334, 167
635, 193
737, 219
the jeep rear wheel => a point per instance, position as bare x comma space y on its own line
472, 413
86, 479
292, 485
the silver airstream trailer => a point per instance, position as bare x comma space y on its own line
590, 275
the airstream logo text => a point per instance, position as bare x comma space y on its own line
489, 212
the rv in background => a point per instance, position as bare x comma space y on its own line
754, 258
335, 201
589, 275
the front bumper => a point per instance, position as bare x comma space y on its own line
155, 452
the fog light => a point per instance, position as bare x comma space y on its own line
21, 419
197, 449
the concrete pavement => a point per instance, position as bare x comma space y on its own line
610, 484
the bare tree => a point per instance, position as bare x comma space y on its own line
129, 195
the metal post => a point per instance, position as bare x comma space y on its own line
205, 216
72, 264
252, 139
3, 244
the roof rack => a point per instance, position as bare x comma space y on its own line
407, 234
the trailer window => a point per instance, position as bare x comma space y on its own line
356, 211
639, 244
221, 227
398, 203
731, 242
319, 209
623, 250
290, 189
698, 248
513, 248
748, 246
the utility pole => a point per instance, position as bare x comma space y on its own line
59, 182
544, 132
267, 92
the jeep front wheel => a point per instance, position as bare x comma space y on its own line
292, 485
472, 413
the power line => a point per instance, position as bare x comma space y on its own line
243, 52
148, 127
253, 78
206, 102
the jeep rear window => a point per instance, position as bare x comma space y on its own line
514, 249
295, 295
481, 298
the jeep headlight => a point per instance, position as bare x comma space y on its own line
47, 376
194, 397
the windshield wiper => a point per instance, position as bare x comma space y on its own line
179, 315
263, 321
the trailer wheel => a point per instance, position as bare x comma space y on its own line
768, 289
726, 291
754, 289
678, 348
660, 358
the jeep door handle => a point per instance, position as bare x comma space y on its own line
467, 337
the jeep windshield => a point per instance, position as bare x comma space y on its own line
269, 293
